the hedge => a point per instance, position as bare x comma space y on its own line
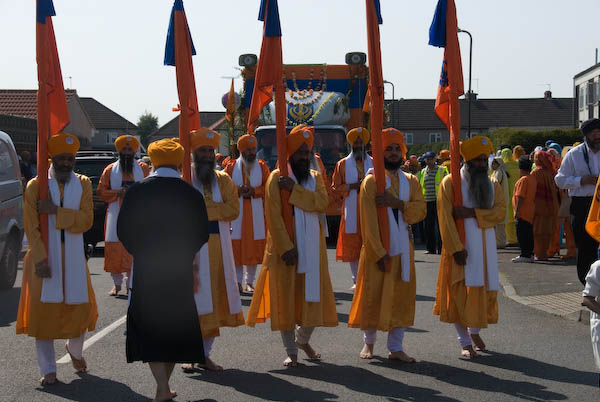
512, 137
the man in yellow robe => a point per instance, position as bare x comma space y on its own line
249, 229
294, 288
467, 285
217, 297
57, 300
115, 180
348, 174
385, 293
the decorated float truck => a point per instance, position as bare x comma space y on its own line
328, 97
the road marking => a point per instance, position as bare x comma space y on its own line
66, 358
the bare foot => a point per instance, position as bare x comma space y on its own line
401, 356
114, 291
210, 365
249, 288
188, 368
353, 287
468, 352
48, 379
291, 361
367, 351
479, 344
79, 365
164, 396
310, 352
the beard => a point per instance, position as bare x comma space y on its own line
126, 162
359, 153
62, 173
480, 187
301, 169
594, 144
392, 166
205, 170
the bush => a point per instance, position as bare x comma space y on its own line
512, 137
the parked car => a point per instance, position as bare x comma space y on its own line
92, 164
11, 212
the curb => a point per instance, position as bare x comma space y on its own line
582, 315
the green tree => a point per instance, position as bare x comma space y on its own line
147, 124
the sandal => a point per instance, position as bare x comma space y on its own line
79, 365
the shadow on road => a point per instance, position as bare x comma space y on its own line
89, 388
366, 382
265, 386
538, 369
9, 300
476, 380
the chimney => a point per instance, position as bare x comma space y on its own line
548, 95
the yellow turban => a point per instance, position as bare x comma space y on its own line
166, 152
391, 136
204, 137
63, 143
246, 141
473, 147
444, 154
361, 132
576, 144
176, 139
299, 135
124, 140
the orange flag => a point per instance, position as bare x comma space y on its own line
230, 114
52, 111
178, 52
444, 33
367, 103
376, 99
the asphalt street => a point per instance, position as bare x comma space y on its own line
533, 356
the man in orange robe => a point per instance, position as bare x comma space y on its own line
347, 177
384, 299
294, 288
57, 300
248, 230
467, 286
116, 178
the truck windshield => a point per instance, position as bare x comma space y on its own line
329, 143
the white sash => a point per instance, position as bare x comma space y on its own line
399, 238
308, 238
75, 279
258, 214
116, 181
322, 217
474, 270
350, 202
203, 296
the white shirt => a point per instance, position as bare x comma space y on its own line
574, 167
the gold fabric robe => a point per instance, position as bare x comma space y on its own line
474, 307
54, 320
279, 293
226, 211
382, 300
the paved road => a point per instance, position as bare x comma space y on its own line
534, 357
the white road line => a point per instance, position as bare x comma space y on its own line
66, 358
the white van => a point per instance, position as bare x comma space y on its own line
11, 212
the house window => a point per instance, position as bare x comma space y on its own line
590, 92
408, 138
597, 91
435, 137
581, 97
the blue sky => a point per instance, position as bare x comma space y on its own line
113, 49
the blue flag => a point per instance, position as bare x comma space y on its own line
437, 31
378, 11
269, 14
170, 47
45, 8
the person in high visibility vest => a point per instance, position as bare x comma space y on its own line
430, 178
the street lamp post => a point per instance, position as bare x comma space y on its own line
469, 93
393, 89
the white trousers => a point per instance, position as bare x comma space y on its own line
250, 274
394, 341
208, 344
463, 334
301, 336
45, 352
354, 270
118, 280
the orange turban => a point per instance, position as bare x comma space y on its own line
246, 141
176, 139
357, 132
473, 147
63, 143
124, 140
299, 135
444, 154
391, 136
166, 152
204, 137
